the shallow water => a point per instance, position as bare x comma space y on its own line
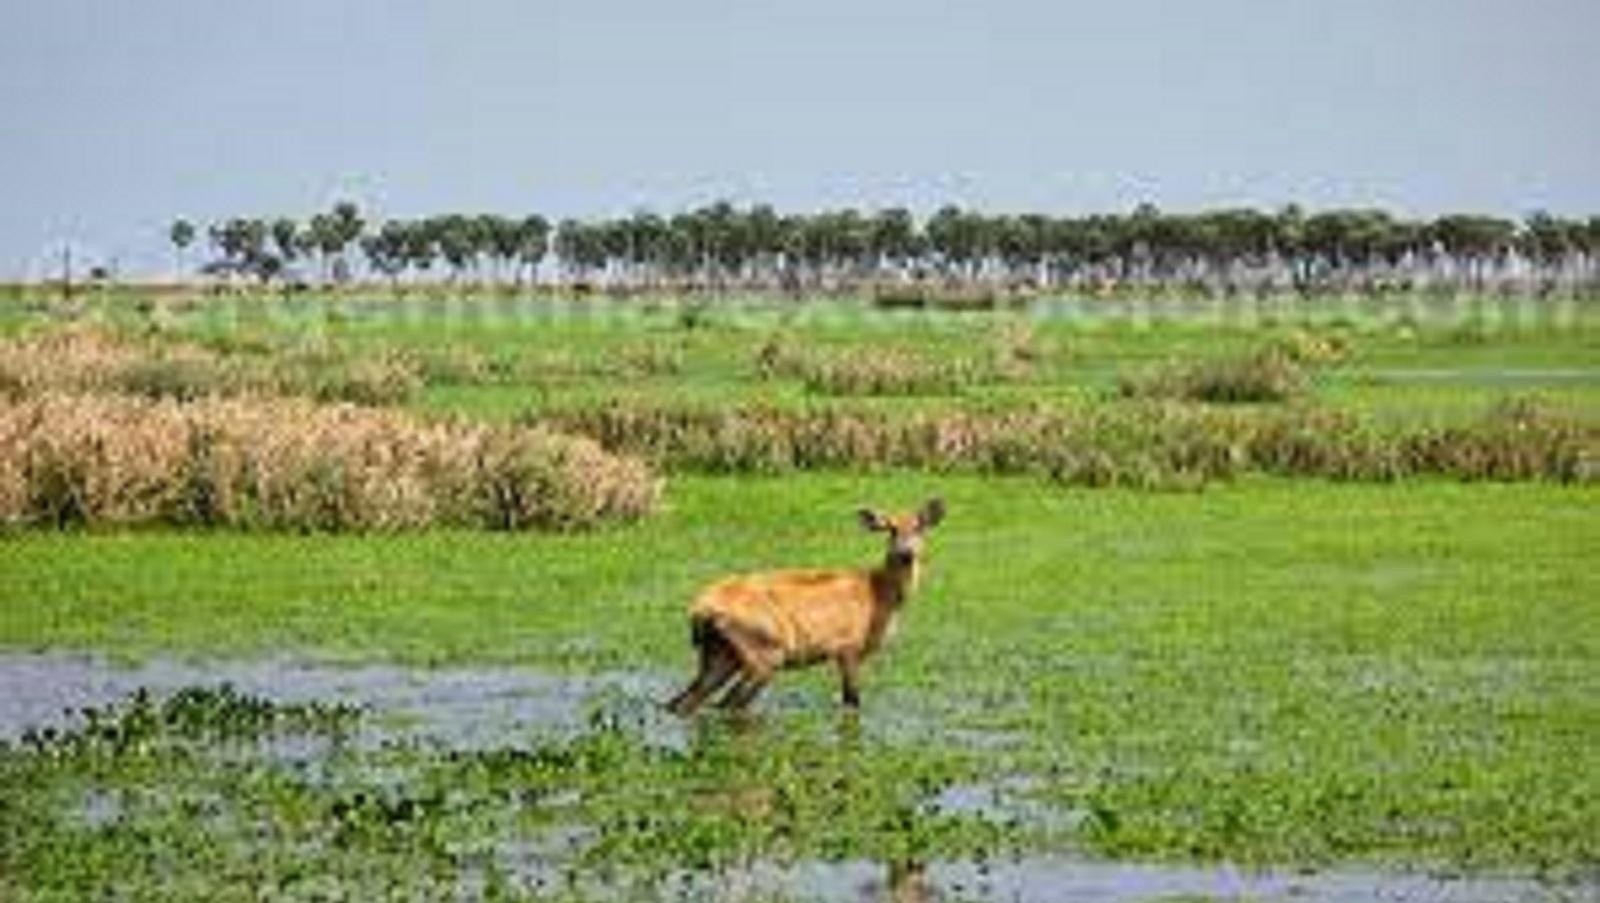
456, 707
1068, 880
463, 708
1064, 879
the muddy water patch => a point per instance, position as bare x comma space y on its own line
1010, 801
1048, 879
570, 785
466, 708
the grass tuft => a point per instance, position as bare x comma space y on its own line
1268, 375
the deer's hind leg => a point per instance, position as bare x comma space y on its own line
742, 693
718, 664
758, 662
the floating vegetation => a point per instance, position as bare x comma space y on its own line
132, 799
152, 796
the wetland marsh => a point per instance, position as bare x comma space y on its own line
1182, 681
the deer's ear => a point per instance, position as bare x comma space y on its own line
871, 519
932, 512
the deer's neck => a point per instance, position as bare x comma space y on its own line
894, 582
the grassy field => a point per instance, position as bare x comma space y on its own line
502, 357
1277, 672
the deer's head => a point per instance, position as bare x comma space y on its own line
906, 532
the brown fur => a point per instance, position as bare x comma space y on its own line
749, 627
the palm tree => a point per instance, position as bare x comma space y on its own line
499, 238
386, 250
892, 237
421, 244
456, 237
286, 235
1475, 242
182, 236
945, 238
321, 239
1289, 235
724, 236
344, 228
533, 239
764, 232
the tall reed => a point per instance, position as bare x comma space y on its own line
87, 359
1146, 443
292, 464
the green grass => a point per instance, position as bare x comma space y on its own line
1273, 671
451, 596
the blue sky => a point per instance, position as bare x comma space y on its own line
122, 114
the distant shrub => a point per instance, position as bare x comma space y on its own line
179, 375
454, 365
292, 464
95, 360
1521, 438
1016, 348
891, 297
328, 372
1268, 375
883, 371
376, 380
1151, 444
780, 355
1474, 330
1315, 348
887, 371
642, 359
73, 358
924, 296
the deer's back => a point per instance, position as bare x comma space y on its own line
808, 614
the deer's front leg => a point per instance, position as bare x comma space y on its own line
850, 679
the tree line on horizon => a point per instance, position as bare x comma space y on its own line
724, 247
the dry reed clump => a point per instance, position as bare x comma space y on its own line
1149, 444
1315, 348
328, 372
75, 358
1268, 375
876, 371
630, 361
1521, 438
889, 371
293, 464
457, 365
925, 296
95, 360
644, 359
1016, 349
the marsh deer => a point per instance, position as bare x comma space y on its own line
752, 625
